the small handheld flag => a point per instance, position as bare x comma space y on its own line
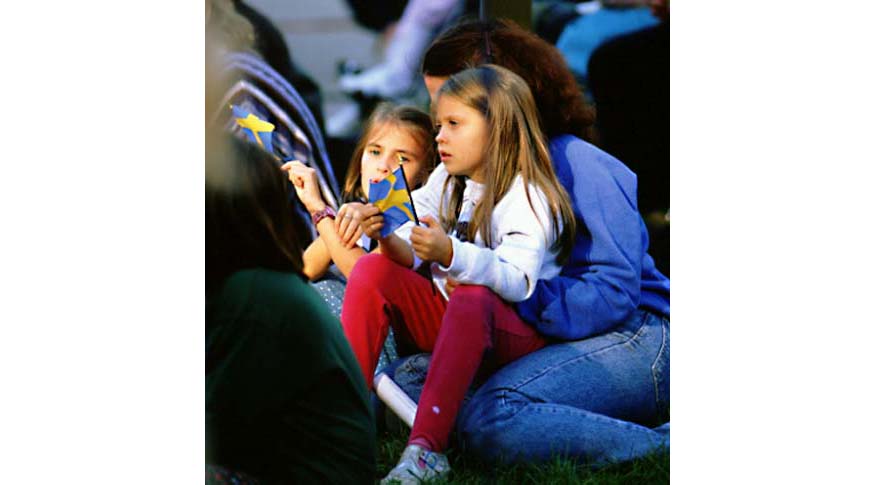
392, 197
256, 129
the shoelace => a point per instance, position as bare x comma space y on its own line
427, 458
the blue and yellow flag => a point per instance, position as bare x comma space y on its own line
257, 130
391, 196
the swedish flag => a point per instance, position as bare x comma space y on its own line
391, 196
257, 130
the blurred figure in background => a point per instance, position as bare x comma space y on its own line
271, 46
377, 15
629, 81
597, 23
397, 74
242, 78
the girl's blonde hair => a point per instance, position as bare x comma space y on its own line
407, 117
515, 145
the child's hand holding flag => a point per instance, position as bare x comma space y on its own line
372, 221
391, 206
431, 243
392, 197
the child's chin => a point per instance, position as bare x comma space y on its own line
452, 171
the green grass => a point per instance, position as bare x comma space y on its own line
651, 469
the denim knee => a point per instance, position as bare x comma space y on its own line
482, 424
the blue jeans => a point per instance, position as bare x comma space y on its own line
595, 399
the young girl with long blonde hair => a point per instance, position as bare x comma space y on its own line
496, 220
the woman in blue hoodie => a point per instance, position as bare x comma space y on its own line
600, 392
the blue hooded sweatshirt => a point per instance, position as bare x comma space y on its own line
609, 273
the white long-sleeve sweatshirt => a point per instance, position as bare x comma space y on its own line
521, 239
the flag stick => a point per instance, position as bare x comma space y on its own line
426, 272
409, 195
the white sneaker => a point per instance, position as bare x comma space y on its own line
418, 465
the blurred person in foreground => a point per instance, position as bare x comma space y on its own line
285, 400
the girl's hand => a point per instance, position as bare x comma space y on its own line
348, 223
372, 221
450, 285
306, 185
431, 243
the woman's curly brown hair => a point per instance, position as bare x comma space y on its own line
500, 41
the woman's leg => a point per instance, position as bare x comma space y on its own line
477, 324
599, 398
381, 293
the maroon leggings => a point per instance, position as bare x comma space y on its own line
474, 330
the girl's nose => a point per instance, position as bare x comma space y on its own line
383, 164
440, 138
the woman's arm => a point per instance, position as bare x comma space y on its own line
600, 284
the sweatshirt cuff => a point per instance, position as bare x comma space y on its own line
458, 250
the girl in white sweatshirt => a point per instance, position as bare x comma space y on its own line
495, 221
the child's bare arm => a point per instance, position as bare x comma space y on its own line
316, 260
397, 250
392, 246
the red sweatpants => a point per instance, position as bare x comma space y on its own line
475, 327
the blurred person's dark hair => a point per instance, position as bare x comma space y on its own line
270, 44
237, 75
408, 117
225, 23
250, 221
559, 98
376, 15
226, 31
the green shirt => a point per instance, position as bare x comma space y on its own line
285, 399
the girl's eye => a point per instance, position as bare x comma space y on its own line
403, 159
374, 152
453, 122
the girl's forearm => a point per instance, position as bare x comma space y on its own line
345, 258
397, 250
316, 259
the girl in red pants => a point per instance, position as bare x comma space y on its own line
509, 223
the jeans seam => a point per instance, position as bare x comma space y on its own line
577, 358
653, 366
506, 405
555, 408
